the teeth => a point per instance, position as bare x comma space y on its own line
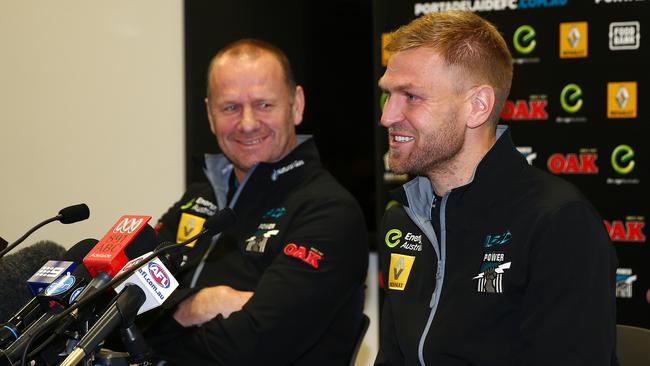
251, 142
403, 138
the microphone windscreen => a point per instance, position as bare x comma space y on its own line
77, 252
220, 220
146, 241
17, 268
74, 213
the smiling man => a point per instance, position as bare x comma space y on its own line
284, 284
486, 260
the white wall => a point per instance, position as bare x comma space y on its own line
91, 110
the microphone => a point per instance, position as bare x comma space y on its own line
66, 215
148, 287
56, 297
150, 283
16, 268
130, 237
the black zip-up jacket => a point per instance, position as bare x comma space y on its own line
522, 273
299, 243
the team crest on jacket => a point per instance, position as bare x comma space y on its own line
257, 242
399, 271
490, 279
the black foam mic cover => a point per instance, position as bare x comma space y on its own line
74, 213
220, 220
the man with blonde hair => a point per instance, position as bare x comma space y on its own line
486, 260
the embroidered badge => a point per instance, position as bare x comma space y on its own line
500, 239
399, 271
392, 237
275, 213
490, 280
188, 226
311, 257
257, 243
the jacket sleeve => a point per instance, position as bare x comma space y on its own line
569, 313
297, 297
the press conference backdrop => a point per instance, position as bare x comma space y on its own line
578, 109
91, 110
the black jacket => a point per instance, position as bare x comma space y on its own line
299, 243
522, 272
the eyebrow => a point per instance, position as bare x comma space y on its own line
400, 87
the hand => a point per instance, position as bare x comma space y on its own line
210, 302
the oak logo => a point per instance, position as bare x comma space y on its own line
583, 163
311, 257
630, 230
525, 110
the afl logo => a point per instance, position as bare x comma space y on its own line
159, 275
60, 286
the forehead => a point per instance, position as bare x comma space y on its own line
417, 67
237, 73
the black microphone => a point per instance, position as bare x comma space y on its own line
16, 268
12, 329
67, 215
72, 214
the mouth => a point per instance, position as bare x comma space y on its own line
250, 142
396, 139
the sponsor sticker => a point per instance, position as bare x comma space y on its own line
573, 40
399, 271
622, 99
624, 35
61, 285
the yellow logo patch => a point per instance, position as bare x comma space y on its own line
621, 100
400, 268
573, 40
188, 226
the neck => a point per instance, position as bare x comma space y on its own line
459, 170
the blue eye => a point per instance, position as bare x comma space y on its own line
411, 97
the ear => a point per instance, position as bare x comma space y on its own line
298, 106
208, 110
481, 102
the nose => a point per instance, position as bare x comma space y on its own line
392, 112
248, 122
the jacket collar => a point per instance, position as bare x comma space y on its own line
267, 176
497, 164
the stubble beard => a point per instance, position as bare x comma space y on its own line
433, 152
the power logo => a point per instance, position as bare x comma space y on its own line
571, 98
399, 271
629, 231
621, 99
392, 237
524, 39
622, 159
583, 163
573, 40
